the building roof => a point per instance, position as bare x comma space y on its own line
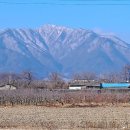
7, 87
115, 85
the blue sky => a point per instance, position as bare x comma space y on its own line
113, 19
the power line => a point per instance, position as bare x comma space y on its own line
54, 3
98, 0
27, 3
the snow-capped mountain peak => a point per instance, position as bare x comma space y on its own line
62, 49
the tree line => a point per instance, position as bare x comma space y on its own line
55, 80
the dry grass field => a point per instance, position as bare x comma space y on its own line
91, 109
52, 118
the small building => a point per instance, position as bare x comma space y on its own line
77, 87
8, 87
83, 84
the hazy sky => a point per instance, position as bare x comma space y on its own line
103, 18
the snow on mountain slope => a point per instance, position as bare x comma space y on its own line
100, 55
56, 48
24, 49
84, 50
62, 40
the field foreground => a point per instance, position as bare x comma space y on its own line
37, 117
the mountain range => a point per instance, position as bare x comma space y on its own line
52, 48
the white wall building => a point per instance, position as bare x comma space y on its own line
7, 87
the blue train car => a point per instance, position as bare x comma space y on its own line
115, 85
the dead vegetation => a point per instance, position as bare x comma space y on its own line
37, 117
50, 106
64, 98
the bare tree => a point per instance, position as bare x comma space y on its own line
9, 78
56, 81
27, 76
126, 73
76, 76
89, 76
113, 77
84, 76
